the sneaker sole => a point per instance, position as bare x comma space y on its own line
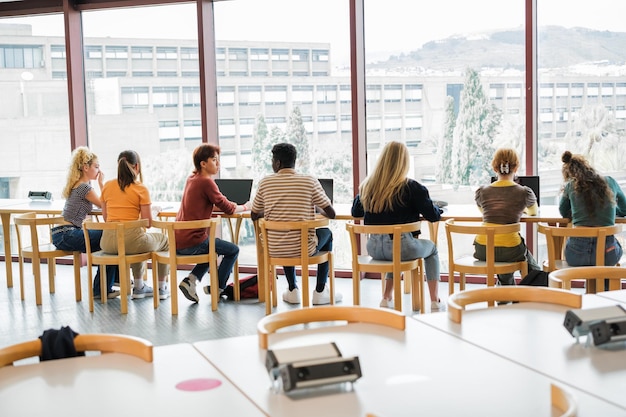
140, 296
164, 297
187, 294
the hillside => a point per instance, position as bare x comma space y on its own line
505, 49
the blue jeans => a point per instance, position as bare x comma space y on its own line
380, 247
230, 251
73, 239
508, 254
324, 244
581, 251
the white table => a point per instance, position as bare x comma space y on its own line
121, 385
618, 296
533, 335
422, 371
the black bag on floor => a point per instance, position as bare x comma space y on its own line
535, 278
248, 288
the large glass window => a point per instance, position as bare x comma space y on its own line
269, 82
445, 84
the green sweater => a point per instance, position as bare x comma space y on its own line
572, 206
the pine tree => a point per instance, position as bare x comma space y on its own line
261, 151
444, 171
474, 133
296, 135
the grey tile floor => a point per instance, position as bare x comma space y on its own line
23, 320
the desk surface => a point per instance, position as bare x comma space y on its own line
421, 371
533, 335
117, 384
618, 296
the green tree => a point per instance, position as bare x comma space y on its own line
474, 133
296, 135
444, 171
261, 156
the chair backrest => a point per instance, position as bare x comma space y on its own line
171, 226
490, 231
119, 227
352, 314
303, 227
394, 229
559, 277
459, 300
33, 222
555, 238
105, 343
563, 401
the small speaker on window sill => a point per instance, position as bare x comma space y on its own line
40, 195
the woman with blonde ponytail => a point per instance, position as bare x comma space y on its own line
388, 196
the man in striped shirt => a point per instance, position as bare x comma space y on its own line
289, 196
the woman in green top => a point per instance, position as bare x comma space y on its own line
589, 199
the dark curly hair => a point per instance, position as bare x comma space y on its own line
587, 181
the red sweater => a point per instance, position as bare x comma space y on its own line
200, 195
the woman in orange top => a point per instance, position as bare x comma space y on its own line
127, 199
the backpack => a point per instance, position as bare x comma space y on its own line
248, 288
535, 278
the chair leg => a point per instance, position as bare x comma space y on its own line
77, 284
416, 289
331, 278
269, 280
124, 288
37, 275
174, 288
451, 282
407, 285
21, 265
462, 282
51, 274
305, 286
397, 292
356, 285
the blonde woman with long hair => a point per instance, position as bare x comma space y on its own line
80, 199
388, 196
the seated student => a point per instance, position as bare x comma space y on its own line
593, 200
289, 196
503, 202
127, 199
201, 194
80, 199
388, 196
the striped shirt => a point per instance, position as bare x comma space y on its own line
289, 196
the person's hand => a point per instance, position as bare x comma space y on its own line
100, 178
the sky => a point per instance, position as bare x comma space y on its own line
392, 26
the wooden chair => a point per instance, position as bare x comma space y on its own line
556, 237
305, 260
594, 275
563, 401
38, 251
458, 301
352, 314
105, 343
170, 257
261, 275
121, 259
470, 265
365, 263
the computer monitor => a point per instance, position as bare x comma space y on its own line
531, 181
327, 185
235, 189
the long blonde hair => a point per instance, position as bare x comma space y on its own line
384, 186
80, 157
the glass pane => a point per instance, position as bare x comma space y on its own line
448, 86
34, 117
582, 89
279, 79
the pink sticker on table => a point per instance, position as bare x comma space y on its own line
200, 384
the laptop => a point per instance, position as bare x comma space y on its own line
327, 185
235, 189
531, 181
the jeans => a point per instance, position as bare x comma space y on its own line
69, 239
230, 251
508, 254
581, 251
324, 244
380, 247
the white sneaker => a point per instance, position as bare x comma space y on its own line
320, 298
436, 306
293, 296
384, 303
